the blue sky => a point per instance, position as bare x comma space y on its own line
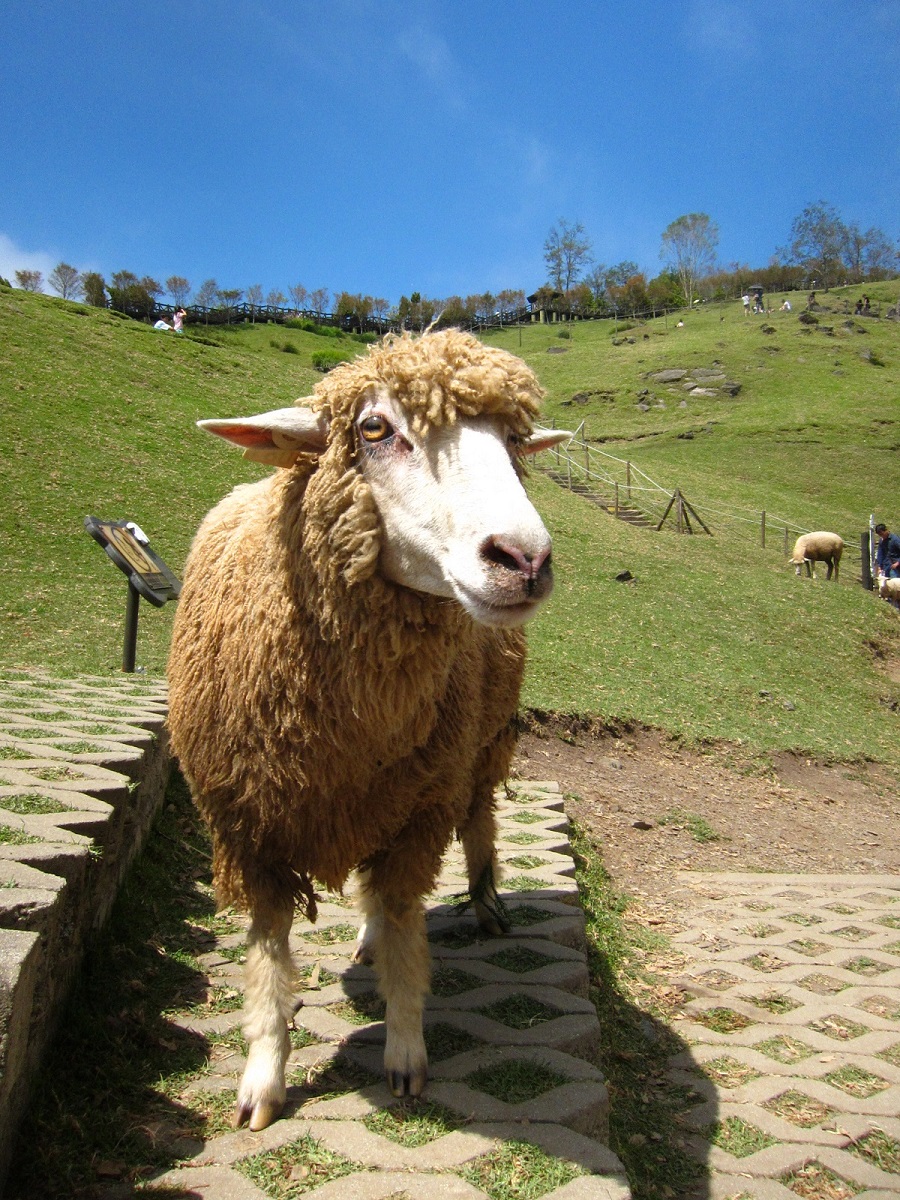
393, 146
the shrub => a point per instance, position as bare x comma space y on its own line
808, 318
327, 360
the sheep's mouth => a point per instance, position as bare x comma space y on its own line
503, 613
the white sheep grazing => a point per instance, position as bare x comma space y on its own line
346, 664
820, 546
889, 589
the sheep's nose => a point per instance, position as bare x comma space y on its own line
533, 567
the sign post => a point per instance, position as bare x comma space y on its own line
128, 547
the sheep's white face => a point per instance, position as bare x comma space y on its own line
457, 520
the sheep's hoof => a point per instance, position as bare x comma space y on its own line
410, 1084
257, 1116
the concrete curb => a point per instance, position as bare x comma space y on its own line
83, 768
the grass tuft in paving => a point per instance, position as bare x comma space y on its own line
799, 1109
516, 1080
296, 1168
738, 1137
728, 1072
784, 1049
856, 1081
520, 959
520, 1012
814, 1181
519, 1170
879, 1149
723, 1020
414, 1123
444, 1041
32, 803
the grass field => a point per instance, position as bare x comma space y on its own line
716, 639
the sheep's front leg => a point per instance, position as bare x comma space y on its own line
268, 1008
478, 836
403, 967
373, 919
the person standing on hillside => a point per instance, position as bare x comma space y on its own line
178, 320
887, 556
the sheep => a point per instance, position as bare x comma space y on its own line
889, 589
346, 663
820, 546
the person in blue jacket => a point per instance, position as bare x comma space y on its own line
887, 556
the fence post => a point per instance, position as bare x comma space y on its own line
785, 541
616, 499
865, 546
679, 510
569, 470
587, 457
762, 529
628, 480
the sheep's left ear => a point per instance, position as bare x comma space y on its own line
275, 437
543, 439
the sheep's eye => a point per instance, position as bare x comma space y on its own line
375, 429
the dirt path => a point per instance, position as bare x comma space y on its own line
652, 804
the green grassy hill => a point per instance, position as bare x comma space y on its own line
716, 639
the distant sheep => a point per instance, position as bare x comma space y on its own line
820, 546
346, 664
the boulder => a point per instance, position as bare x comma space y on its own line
669, 375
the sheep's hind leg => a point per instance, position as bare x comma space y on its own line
269, 1005
403, 967
478, 836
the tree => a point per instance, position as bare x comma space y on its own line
319, 300
871, 254
179, 289
30, 281
154, 290
689, 247
229, 299
818, 240
66, 280
131, 295
567, 251
630, 296
380, 308
254, 299
276, 298
93, 285
299, 295
206, 295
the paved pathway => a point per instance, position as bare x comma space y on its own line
791, 1035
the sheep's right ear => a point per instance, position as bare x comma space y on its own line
275, 437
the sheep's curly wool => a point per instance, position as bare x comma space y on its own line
325, 717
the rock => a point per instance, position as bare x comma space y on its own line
643, 407
683, 404
669, 375
789, 706
642, 825
557, 349
707, 374
624, 576
702, 391
732, 387
687, 436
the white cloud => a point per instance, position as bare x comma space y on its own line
13, 258
722, 27
434, 59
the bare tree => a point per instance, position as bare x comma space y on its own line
276, 298
65, 279
689, 246
30, 281
206, 295
319, 299
254, 299
299, 295
178, 288
567, 251
869, 254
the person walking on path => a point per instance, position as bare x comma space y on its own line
887, 556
